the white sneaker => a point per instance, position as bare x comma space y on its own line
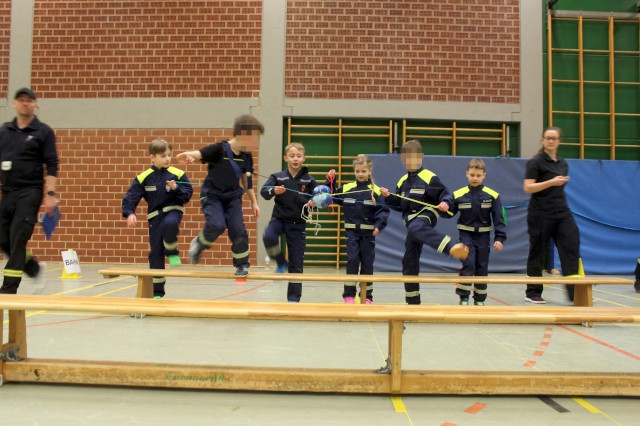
40, 281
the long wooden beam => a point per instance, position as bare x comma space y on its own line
329, 277
276, 379
323, 311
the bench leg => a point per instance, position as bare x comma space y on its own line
583, 295
18, 333
363, 293
145, 287
395, 354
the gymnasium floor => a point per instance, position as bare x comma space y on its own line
605, 347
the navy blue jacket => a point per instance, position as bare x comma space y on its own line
479, 208
288, 206
362, 207
222, 180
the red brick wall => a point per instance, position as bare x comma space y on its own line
146, 49
435, 50
5, 31
97, 168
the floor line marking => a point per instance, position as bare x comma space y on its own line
554, 404
475, 408
600, 342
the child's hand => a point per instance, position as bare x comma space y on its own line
132, 221
172, 184
375, 232
331, 175
497, 246
256, 210
279, 190
443, 207
310, 204
185, 158
385, 192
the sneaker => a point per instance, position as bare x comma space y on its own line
293, 301
174, 260
637, 286
368, 301
476, 303
464, 302
242, 271
40, 281
459, 251
157, 297
349, 300
283, 268
535, 299
195, 251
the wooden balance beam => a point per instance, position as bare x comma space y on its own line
583, 291
16, 366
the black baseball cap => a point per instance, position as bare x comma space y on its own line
25, 91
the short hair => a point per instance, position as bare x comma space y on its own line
477, 163
247, 123
296, 145
411, 147
159, 146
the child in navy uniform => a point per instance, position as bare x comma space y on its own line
432, 199
228, 176
364, 218
287, 188
166, 198
479, 208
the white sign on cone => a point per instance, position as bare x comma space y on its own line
71, 263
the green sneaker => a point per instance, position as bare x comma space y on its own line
464, 302
174, 260
157, 297
478, 303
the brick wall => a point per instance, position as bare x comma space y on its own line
146, 49
97, 168
5, 32
444, 50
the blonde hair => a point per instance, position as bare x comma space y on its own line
477, 163
296, 145
363, 160
159, 146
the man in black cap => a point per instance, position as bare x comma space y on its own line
26, 144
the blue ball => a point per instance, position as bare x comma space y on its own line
321, 189
322, 200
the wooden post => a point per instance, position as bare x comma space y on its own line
363, 292
583, 295
145, 287
395, 354
18, 331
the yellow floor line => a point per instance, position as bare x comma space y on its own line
590, 408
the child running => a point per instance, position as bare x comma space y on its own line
364, 219
159, 186
422, 198
479, 208
290, 190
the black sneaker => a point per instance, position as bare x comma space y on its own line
242, 271
637, 286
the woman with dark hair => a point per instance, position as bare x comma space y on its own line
549, 216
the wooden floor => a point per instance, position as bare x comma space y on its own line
609, 348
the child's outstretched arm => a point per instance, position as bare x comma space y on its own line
189, 157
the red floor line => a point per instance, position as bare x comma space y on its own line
241, 292
475, 408
66, 321
600, 342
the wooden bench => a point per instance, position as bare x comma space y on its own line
16, 366
583, 291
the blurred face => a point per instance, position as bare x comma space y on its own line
362, 173
551, 140
248, 140
25, 106
294, 158
475, 176
411, 161
162, 161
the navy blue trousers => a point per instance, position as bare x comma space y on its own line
476, 264
361, 254
163, 240
296, 237
221, 214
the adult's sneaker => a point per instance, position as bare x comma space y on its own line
535, 299
242, 271
459, 251
40, 281
195, 251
